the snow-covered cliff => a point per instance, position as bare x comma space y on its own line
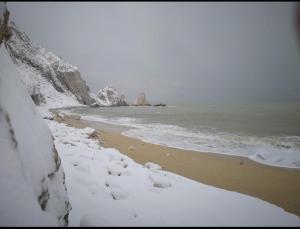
109, 96
49, 79
32, 181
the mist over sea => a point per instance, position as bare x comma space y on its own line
267, 133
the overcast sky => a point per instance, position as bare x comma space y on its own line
195, 51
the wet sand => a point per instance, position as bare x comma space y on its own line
279, 186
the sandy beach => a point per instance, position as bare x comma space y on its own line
279, 186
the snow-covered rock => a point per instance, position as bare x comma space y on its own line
109, 96
32, 180
141, 100
48, 78
118, 193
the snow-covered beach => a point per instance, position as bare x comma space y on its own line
128, 193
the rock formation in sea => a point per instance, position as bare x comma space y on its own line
48, 78
141, 100
32, 180
109, 96
159, 105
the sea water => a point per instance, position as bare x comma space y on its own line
267, 133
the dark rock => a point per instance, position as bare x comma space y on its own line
49, 118
160, 105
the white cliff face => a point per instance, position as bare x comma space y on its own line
32, 187
50, 80
109, 96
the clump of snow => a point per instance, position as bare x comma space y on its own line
148, 197
87, 131
117, 170
152, 166
32, 179
160, 181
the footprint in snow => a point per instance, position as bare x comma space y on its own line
118, 157
134, 214
83, 168
118, 193
117, 170
68, 143
159, 180
121, 163
85, 181
86, 141
94, 189
111, 182
154, 189
75, 140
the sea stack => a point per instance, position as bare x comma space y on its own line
109, 96
141, 100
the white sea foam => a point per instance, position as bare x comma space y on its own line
283, 151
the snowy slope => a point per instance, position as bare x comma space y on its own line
109, 96
32, 185
107, 188
49, 79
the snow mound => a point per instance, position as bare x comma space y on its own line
32, 183
160, 181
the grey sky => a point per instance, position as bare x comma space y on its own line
173, 51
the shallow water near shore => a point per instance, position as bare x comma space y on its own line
267, 133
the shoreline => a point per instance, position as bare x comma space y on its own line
276, 185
